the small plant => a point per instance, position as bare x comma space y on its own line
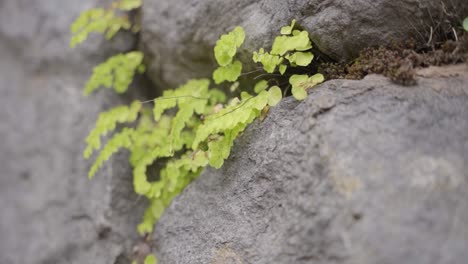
290, 50
465, 24
104, 21
192, 126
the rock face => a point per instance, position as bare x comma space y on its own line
178, 35
360, 172
50, 212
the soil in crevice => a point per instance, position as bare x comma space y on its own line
398, 61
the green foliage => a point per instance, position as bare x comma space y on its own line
292, 46
229, 72
287, 30
260, 86
225, 50
300, 83
118, 72
151, 259
192, 126
226, 46
465, 24
100, 20
107, 122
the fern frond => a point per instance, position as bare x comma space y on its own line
226, 46
225, 50
229, 72
291, 45
107, 122
100, 20
120, 140
97, 20
118, 72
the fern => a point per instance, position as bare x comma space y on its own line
291, 46
226, 46
229, 72
107, 122
269, 61
235, 116
191, 126
260, 86
224, 51
100, 20
118, 72
119, 140
300, 83
287, 30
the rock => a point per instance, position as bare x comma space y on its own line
50, 211
178, 36
360, 172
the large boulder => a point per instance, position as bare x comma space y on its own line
360, 172
50, 212
178, 35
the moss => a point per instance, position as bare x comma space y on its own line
398, 61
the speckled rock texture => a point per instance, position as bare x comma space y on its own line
178, 35
360, 172
50, 213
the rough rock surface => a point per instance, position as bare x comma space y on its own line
360, 172
50, 212
178, 35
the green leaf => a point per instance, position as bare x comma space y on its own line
300, 83
297, 79
300, 58
288, 29
119, 140
282, 68
229, 72
283, 44
260, 86
299, 93
151, 259
107, 122
118, 72
268, 61
274, 95
97, 20
226, 46
162, 104
317, 78
465, 24
127, 5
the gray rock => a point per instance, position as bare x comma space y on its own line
178, 35
360, 172
50, 212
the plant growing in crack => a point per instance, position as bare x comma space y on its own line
192, 126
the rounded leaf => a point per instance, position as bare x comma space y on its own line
317, 78
229, 72
226, 46
299, 93
297, 79
287, 30
303, 58
150, 259
260, 86
274, 95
